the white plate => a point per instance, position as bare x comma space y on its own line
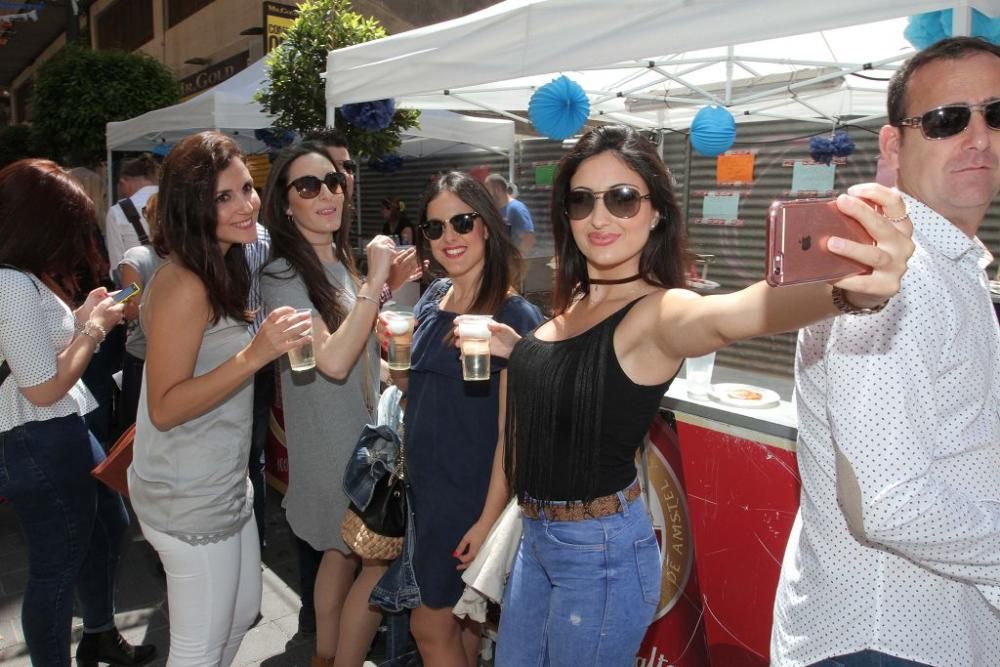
698, 283
722, 393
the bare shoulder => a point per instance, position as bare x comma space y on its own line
178, 295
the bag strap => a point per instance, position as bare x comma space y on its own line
128, 208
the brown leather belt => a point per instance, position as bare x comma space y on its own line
579, 511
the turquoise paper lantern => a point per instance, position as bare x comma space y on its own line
713, 131
559, 109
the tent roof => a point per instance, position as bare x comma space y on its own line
646, 62
230, 108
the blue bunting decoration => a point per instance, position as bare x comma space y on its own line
823, 150
386, 164
559, 109
713, 131
370, 116
930, 27
274, 138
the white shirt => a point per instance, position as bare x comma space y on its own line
909, 399
119, 234
35, 326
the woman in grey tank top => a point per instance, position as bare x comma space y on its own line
188, 480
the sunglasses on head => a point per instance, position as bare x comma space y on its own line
308, 187
952, 119
622, 201
461, 223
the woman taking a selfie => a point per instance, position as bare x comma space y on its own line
188, 480
451, 425
584, 388
72, 524
326, 408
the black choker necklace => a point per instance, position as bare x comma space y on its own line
613, 281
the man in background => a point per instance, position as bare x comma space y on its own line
515, 213
125, 226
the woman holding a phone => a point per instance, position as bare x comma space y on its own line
188, 480
584, 387
73, 525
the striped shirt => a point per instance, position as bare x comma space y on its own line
256, 254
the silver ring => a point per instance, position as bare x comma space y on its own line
898, 218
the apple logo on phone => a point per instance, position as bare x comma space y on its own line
806, 242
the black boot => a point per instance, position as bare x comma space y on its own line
110, 647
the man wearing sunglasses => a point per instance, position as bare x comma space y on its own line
894, 557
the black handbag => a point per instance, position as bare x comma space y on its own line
377, 531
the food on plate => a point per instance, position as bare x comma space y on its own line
745, 395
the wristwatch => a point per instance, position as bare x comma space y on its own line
848, 308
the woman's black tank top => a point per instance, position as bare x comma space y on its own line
574, 419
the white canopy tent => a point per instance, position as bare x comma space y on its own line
649, 63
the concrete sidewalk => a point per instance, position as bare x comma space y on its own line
141, 605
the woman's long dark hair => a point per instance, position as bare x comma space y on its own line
288, 243
664, 257
502, 264
187, 221
48, 226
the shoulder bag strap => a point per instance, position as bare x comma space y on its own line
128, 208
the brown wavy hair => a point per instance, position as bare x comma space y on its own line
48, 227
187, 221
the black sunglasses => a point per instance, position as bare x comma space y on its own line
622, 201
461, 223
952, 119
308, 187
349, 166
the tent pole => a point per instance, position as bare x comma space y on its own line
510, 162
961, 20
111, 191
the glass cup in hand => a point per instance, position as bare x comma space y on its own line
474, 332
698, 373
399, 325
303, 358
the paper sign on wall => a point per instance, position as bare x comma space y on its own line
737, 168
544, 174
808, 177
720, 206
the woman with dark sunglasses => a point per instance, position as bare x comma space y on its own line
306, 210
584, 388
188, 479
451, 425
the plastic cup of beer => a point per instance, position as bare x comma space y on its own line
303, 358
698, 373
399, 324
474, 332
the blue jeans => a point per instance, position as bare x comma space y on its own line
73, 526
581, 592
128, 403
867, 658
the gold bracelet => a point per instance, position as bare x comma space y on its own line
362, 297
843, 305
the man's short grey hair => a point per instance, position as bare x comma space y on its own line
498, 181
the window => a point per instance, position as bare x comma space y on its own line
125, 25
178, 10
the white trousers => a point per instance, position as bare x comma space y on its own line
213, 591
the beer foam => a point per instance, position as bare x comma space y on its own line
397, 326
474, 329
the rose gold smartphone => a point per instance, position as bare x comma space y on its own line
797, 232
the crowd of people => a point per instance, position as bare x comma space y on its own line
895, 554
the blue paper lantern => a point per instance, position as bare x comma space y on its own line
713, 131
924, 29
370, 116
559, 108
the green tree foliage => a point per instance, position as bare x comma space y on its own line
296, 94
14, 143
79, 91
